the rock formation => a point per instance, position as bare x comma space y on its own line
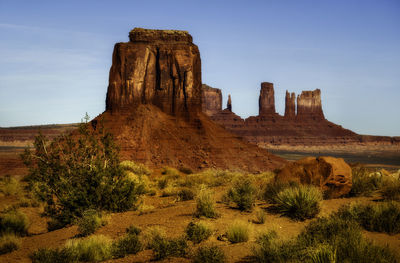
290, 105
332, 175
155, 79
212, 99
229, 103
159, 67
266, 101
309, 105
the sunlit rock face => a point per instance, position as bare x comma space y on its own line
266, 102
309, 105
159, 67
212, 100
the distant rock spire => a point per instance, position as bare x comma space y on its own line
309, 105
229, 103
290, 105
266, 102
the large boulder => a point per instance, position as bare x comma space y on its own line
332, 175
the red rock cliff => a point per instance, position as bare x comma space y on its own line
212, 100
159, 67
309, 105
266, 102
290, 105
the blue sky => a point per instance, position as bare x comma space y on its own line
55, 55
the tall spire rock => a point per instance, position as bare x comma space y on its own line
211, 100
309, 105
159, 67
290, 105
229, 103
266, 102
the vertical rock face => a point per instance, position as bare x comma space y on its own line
266, 102
229, 103
309, 105
159, 67
290, 105
212, 100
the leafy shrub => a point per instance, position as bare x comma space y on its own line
185, 194
129, 244
300, 203
9, 243
171, 173
133, 230
14, 222
48, 255
197, 232
243, 193
238, 232
94, 248
169, 191
76, 173
260, 215
136, 168
150, 234
205, 204
9, 185
165, 247
163, 183
209, 254
380, 217
323, 254
391, 189
91, 221
364, 182
209, 177
274, 188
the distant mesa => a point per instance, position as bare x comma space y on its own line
303, 123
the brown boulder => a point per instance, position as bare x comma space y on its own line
332, 175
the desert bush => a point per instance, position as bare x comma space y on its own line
170, 172
162, 183
299, 203
274, 188
185, 194
150, 234
209, 254
48, 255
323, 254
90, 221
391, 189
238, 232
9, 185
133, 230
75, 173
166, 247
205, 204
243, 193
379, 217
364, 182
260, 215
128, 244
197, 232
14, 222
9, 243
94, 248
209, 177
169, 191
136, 168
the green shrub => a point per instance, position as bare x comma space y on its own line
163, 183
47, 255
380, 217
94, 248
91, 221
197, 232
299, 203
261, 216
209, 177
391, 189
170, 172
150, 234
9, 243
136, 168
323, 254
129, 244
169, 191
209, 254
274, 188
185, 194
238, 232
79, 172
243, 193
205, 204
9, 185
364, 182
14, 222
133, 230
165, 247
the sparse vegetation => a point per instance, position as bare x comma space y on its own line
198, 232
185, 194
209, 254
364, 181
238, 232
260, 215
391, 189
9, 185
274, 188
128, 244
91, 221
14, 222
379, 217
136, 168
94, 248
76, 173
167, 247
9, 243
243, 193
299, 202
205, 204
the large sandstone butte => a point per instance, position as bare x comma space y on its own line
304, 125
154, 107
